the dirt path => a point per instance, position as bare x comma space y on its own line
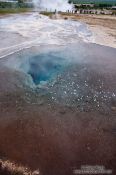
103, 27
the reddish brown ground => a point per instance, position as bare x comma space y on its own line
56, 139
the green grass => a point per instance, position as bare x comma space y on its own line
14, 10
112, 2
47, 13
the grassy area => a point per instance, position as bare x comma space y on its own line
47, 13
112, 2
14, 10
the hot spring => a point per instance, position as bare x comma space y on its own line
19, 32
58, 56
43, 68
57, 95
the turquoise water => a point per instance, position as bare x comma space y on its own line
44, 67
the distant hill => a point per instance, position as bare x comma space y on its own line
95, 1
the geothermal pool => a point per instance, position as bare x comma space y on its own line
57, 95
74, 74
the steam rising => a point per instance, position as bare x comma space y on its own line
52, 5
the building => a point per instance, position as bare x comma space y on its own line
84, 5
113, 7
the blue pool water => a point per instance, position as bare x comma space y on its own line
44, 67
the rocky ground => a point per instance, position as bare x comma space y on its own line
102, 26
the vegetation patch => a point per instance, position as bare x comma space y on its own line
14, 10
